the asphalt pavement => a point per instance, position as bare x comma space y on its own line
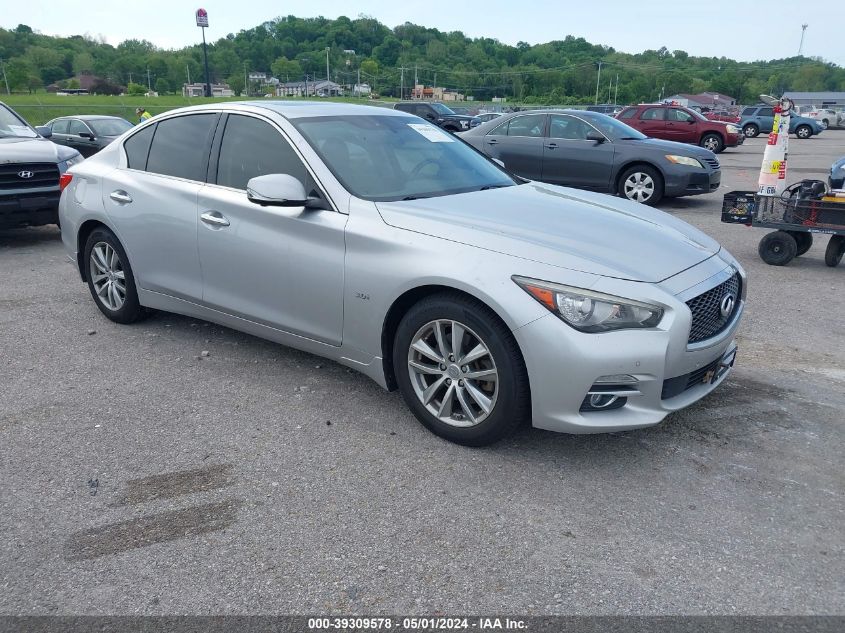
177, 467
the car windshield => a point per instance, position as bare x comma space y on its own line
109, 127
388, 158
612, 128
12, 125
696, 114
442, 109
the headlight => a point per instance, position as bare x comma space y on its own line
589, 311
684, 160
732, 129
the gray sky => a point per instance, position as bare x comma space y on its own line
700, 27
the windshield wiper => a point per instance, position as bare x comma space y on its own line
486, 187
413, 197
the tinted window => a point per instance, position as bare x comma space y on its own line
652, 114
749, 111
180, 146
77, 127
567, 127
253, 148
627, 114
528, 125
137, 147
109, 127
60, 126
766, 112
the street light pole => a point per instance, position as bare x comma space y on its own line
202, 21
598, 80
328, 78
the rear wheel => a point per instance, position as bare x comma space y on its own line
713, 142
803, 131
641, 183
460, 370
110, 278
835, 250
778, 248
825, 124
804, 241
751, 130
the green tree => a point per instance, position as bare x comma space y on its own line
286, 70
135, 89
236, 83
162, 86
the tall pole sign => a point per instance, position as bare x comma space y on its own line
202, 22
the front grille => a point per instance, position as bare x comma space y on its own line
707, 319
678, 385
43, 175
713, 162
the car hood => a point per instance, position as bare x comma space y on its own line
682, 149
577, 230
33, 150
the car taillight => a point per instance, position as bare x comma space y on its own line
64, 181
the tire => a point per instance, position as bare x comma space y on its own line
751, 130
804, 241
778, 248
835, 250
713, 142
456, 407
803, 131
642, 184
825, 124
106, 265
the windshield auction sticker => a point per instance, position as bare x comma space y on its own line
433, 134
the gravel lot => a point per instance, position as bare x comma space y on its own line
141, 477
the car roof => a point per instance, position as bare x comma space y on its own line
299, 109
89, 117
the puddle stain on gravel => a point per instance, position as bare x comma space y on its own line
157, 528
175, 484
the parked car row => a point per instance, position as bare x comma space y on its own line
761, 118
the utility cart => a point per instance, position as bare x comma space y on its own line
802, 210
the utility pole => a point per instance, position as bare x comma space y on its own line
149, 85
246, 81
416, 76
435, 80
402, 83
616, 94
5, 79
327, 65
598, 79
188, 70
801, 45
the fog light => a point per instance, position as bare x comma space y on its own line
598, 401
616, 379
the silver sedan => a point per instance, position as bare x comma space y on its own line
374, 238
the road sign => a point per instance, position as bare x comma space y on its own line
202, 17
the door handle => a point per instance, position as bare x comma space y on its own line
120, 196
551, 145
214, 218
492, 141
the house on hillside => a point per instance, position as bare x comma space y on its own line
711, 100
319, 88
198, 90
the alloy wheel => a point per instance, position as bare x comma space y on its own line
453, 373
711, 143
108, 276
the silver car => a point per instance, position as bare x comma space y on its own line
376, 239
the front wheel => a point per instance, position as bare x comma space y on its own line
778, 248
835, 250
641, 184
803, 131
713, 142
110, 278
751, 130
825, 124
460, 370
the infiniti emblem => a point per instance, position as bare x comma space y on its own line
727, 305
25, 174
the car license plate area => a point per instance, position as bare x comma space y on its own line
726, 362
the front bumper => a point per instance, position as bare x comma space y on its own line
563, 366
691, 183
29, 209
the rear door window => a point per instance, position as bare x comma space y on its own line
652, 114
766, 112
531, 125
749, 111
137, 147
180, 146
60, 126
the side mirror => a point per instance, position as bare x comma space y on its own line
276, 190
430, 116
691, 121
598, 137
87, 135
44, 131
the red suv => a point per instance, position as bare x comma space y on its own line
677, 123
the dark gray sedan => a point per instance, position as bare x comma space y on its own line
593, 151
87, 134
